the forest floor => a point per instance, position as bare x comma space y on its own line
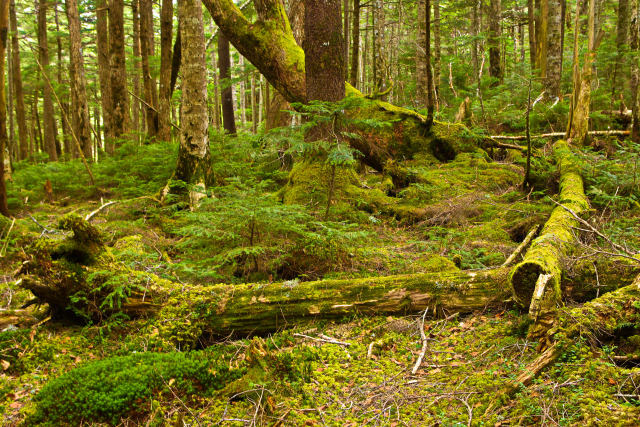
467, 214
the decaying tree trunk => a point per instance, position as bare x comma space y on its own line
247, 309
535, 282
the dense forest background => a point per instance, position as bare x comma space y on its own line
288, 212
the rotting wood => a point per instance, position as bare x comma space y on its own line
546, 253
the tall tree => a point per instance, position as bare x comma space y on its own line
119, 95
495, 66
102, 42
62, 84
355, 47
17, 86
224, 62
193, 158
80, 107
4, 32
436, 47
164, 99
149, 83
427, 54
421, 65
622, 43
50, 132
531, 21
635, 72
380, 69
323, 42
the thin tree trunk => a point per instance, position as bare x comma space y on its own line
119, 96
149, 83
254, 115
66, 137
17, 87
47, 109
4, 31
216, 90
137, 111
635, 73
380, 72
164, 100
436, 49
421, 65
346, 28
622, 45
495, 66
355, 47
532, 33
193, 158
102, 41
224, 62
80, 118
13, 147
242, 97
39, 147
427, 54
553, 49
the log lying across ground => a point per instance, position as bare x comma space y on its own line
559, 135
535, 282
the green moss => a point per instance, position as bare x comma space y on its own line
117, 387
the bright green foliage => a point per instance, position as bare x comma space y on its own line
116, 387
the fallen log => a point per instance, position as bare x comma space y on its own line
559, 135
599, 321
535, 282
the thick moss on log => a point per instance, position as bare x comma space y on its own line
547, 251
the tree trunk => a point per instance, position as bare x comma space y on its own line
535, 281
380, 68
149, 83
553, 75
355, 47
635, 74
622, 45
495, 66
194, 163
104, 69
421, 65
47, 97
532, 33
66, 134
80, 116
224, 62
164, 101
436, 49
4, 32
137, 112
578, 129
17, 87
427, 62
119, 95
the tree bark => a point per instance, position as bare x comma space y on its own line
119, 96
532, 33
380, 64
194, 162
4, 33
427, 54
421, 65
635, 74
80, 115
164, 100
355, 47
622, 45
495, 66
48, 114
436, 49
149, 83
17, 87
137, 112
104, 68
553, 75
66, 134
535, 281
224, 62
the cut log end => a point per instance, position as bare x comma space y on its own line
523, 281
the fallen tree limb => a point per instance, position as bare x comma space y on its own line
522, 246
559, 135
599, 321
546, 253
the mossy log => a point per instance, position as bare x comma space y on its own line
535, 282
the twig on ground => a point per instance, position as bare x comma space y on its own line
324, 338
97, 211
423, 336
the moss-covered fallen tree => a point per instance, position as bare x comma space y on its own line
79, 277
535, 282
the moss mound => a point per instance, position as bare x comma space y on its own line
107, 390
